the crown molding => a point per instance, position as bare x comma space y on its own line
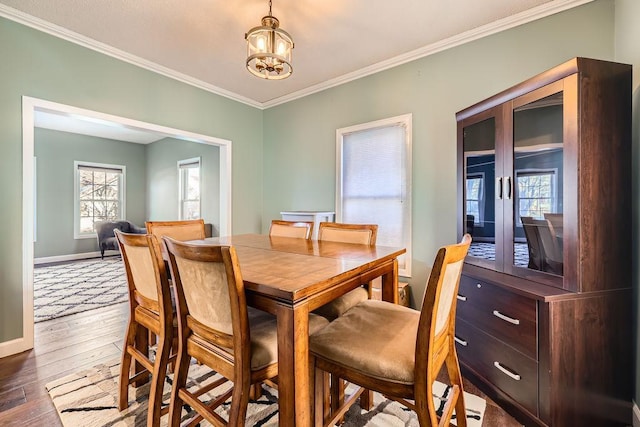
73, 37
542, 11
550, 8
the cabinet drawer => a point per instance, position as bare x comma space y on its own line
507, 316
508, 369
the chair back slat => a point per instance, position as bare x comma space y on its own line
206, 293
438, 312
210, 292
449, 289
178, 230
144, 268
142, 271
297, 229
362, 234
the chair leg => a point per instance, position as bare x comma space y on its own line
239, 402
157, 382
179, 383
337, 395
321, 405
125, 366
255, 391
366, 400
142, 344
455, 376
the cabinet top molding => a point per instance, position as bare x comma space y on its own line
585, 66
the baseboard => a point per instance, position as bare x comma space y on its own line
72, 257
16, 346
636, 415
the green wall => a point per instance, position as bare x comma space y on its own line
162, 179
42, 66
151, 183
56, 153
299, 136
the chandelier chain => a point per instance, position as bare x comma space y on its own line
269, 7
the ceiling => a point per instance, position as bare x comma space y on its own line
201, 42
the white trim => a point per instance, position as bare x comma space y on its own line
539, 12
636, 415
406, 121
72, 257
122, 196
181, 183
29, 107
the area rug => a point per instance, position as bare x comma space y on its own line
89, 398
64, 289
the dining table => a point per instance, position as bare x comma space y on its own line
291, 277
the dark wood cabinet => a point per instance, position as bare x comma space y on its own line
544, 307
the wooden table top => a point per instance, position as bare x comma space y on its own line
292, 269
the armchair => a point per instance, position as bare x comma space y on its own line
106, 237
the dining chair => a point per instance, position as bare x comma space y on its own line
193, 229
406, 353
298, 229
556, 222
216, 327
534, 245
150, 312
551, 247
361, 234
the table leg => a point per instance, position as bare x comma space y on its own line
390, 284
293, 366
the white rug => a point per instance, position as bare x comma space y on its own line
65, 289
89, 398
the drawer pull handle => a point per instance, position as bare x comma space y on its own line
506, 371
461, 297
478, 285
460, 341
506, 318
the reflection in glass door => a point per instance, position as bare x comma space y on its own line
538, 169
479, 140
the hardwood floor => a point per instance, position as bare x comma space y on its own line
70, 343
62, 346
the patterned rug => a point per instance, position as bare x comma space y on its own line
64, 289
89, 398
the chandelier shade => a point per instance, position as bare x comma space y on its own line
269, 49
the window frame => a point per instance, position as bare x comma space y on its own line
404, 121
479, 221
537, 171
76, 194
181, 185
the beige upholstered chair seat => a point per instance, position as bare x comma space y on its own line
340, 305
386, 353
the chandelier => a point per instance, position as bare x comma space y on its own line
269, 49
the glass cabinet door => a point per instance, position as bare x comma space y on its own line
537, 174
479, 189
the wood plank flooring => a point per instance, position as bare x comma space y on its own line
62, 346
82, 340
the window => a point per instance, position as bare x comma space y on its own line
374, 180
189, 188
475, 198
99, 196
536, 193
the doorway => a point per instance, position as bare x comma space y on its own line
30, 107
